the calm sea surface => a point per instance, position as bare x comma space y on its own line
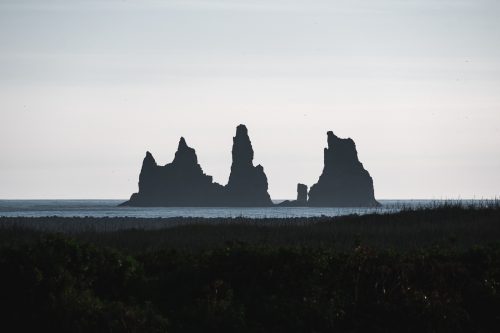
109, 208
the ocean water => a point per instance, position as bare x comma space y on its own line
109, 208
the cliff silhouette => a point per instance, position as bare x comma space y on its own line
343, 183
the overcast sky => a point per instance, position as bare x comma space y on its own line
86, 87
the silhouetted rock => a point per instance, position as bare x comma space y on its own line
247, 184
344, 181
301, 198
302, 194
180, 183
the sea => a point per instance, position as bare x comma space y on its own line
109, 208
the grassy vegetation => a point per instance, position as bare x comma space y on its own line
454, 225
426, 270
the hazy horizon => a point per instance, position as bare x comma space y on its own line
87, 87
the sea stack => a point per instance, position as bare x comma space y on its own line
247, 184
344, 181
180, 183
302, 194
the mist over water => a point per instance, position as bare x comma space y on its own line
108, 208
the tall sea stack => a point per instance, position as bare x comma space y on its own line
344, 181
247, 184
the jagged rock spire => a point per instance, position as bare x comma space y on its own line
242, 147
148, 173
149, 160
344, 181
247, 185
185, 156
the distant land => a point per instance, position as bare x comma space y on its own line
182, 183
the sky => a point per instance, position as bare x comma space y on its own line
87, 87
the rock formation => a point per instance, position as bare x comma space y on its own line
301, 198
344, 181
182, 183
247, 184
302, 194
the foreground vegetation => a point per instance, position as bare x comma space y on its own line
454, 225
353, 274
